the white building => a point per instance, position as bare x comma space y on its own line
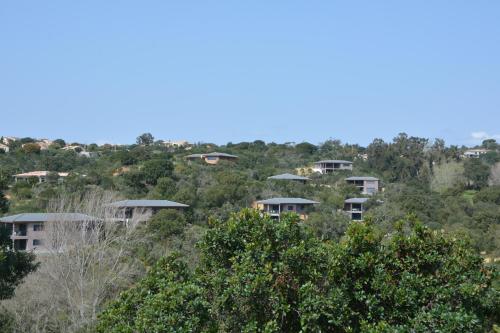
475, 153
329, 166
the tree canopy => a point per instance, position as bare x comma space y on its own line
259, 275
14, 265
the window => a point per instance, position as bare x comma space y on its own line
356, 217
275, 208
37, 242
211, 158
37, 227
289, 208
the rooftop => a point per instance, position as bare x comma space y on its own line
214, 154
40, 174
334, 161
147, 204
45, 217
356, 200
293, 201
288, 176
361, 178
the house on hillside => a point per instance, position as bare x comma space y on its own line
80, 151
5, 148
143, 209
366, 185
176, 144
44, 144
475, 153
6, 140
212, 158
329, 166
354, 207
289, 177
28, 229
40, 175
276, 206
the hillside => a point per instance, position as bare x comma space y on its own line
418, 179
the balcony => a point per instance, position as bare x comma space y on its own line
19, 233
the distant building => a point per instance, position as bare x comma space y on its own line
366, 185
276, 206
289, 176
355, 208
146, 208
475, 153
76, 148
176, 144
44, 144
329, 166
5, 148
212, 158
81, 151
28, 230
6, 140
41, 175
88, 154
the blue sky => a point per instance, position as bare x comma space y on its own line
219, 71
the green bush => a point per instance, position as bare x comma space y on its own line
261, 275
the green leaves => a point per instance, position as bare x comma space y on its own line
14, 265
261, 275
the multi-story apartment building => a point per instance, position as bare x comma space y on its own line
355, 208
329, 166
28, 229
276, 206
366, 185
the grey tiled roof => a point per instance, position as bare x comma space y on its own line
214, 154
220, 155
281, 201
288, 176
333, 161
356, 200
361, 178
147, 203
44, 217
194, 156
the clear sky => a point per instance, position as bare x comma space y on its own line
219, 71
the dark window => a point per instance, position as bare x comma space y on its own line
289, 208
356, 216
37, 242
37, 227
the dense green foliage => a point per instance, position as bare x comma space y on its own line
434, 182
14, 265
259, 275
